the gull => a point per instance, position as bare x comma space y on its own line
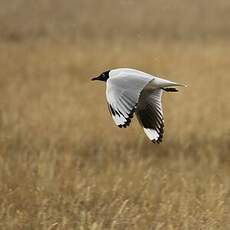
130, 91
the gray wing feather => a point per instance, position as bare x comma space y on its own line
150, 115
122, 106
123, 89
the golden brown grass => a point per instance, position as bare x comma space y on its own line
58, 19
63, 163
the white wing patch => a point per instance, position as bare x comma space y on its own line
152, 134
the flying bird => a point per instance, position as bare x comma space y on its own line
130, 91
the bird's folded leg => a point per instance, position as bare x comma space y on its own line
170, 89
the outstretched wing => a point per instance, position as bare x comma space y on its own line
122, 94
150, 115
122, 104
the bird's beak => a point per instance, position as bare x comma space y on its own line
99, 78
94, 78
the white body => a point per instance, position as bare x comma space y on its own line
129, 91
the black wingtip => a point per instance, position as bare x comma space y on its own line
128, 120
157, 141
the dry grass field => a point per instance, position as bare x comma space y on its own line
63, 163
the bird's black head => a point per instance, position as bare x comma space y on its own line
103, 77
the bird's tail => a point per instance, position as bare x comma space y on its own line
166, 84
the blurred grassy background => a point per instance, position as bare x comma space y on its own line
24, 19
64, 164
